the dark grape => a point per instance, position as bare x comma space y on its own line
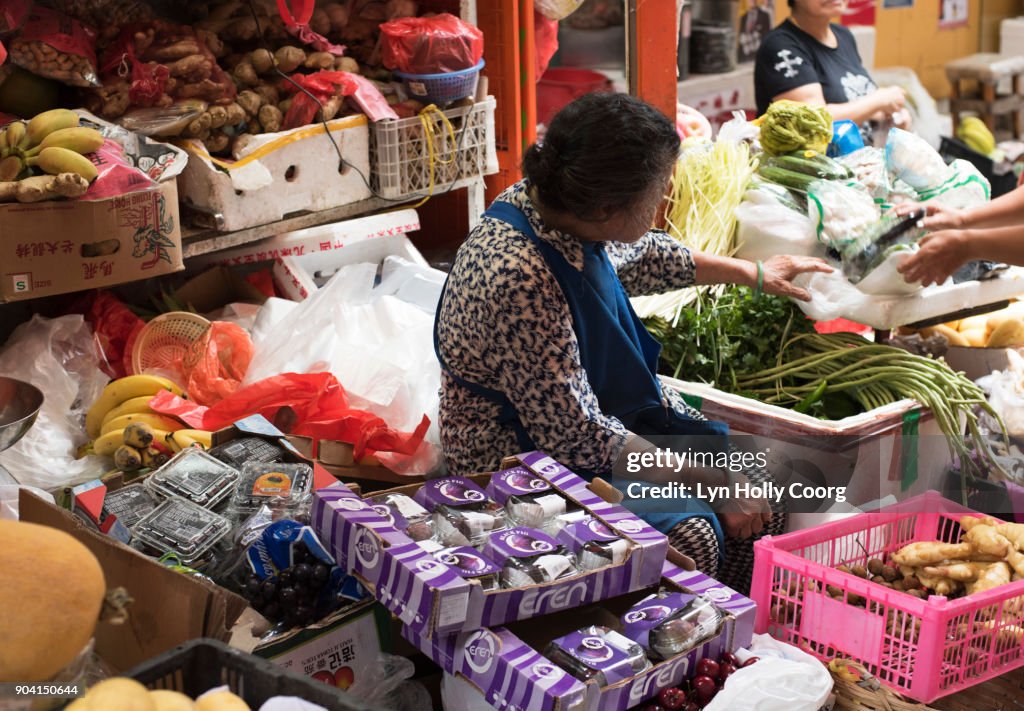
252, 585
272, 611
300, 554
302, 571
304, 614
286, 577
301, 589
321, 573
287, 596
268, 588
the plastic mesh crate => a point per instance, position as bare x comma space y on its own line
202, 664
923, 649
400, 155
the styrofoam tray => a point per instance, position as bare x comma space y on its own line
888, 312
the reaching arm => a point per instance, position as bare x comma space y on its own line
1005, 211
943, 252
881, 103
778, 273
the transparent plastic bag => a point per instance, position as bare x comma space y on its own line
54, 46
963, 187
59, 357
767, 230
161, 121
868, 166
216, 364
386, 684
840, 211
923, 110
9, 494
913, 161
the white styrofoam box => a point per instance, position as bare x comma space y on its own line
299, 276
322, 238
866, 37
863, 452
1011, 36
277, 174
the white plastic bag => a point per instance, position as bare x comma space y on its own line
963, 187
885, 280
840, 211
764, 231
832, 296
783, 679
913, 160
387, 685
378, 346
1005, 393
557, 9
868, 166
59, 357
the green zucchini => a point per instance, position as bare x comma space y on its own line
787, 178
816, 165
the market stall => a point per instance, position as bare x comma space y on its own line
225, 236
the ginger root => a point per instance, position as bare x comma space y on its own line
931, 552
993, 576
988, 541
961, 572
1013, 532
44, 187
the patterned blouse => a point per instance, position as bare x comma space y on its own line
505, 325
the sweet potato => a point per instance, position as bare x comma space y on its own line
261, 60
289, 59
270, 118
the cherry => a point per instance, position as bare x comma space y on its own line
726, 670
729, 658
750, 661
707, 667
704, 685
672, 698
691, 706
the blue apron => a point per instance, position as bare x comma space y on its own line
621, 360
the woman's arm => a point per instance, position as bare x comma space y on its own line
776, 277
881, 103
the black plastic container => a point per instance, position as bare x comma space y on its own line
951, 148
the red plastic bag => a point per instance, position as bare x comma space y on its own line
117, 176
114, 328
325, 86
545, 35
13, 14
54, 46
321, 410
297, 25
430, 45
215, 364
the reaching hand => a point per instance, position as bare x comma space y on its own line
742, 517
940, 254
890, 99
937, 217
779, 272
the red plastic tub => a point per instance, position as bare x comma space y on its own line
560, 85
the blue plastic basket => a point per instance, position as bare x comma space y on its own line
442, 89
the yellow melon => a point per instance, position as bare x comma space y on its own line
975, 337
51, 592
120, 694
952, 337
974, 322
221, 701
171, 701
1008, 333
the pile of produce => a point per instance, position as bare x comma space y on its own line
122, 693
766, 349
999, 329
47, 157
698, 691
789, 126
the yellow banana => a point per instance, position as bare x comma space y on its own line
154, 420
10, 168
80, 139
121, 390
61, 160
46, 123
107, 444
183, 439
128, 407
15, 134
976, 134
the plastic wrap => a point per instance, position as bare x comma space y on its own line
216, 364
913, 161
58, 357
868, 166
430, 45
839, 211
767, 230
963, 187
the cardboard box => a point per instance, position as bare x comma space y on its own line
322, 238
338, 459
507, 666
979, 362
338, 650
215, 288
50, 247
278, 174
168, 608
298, 276
433, 600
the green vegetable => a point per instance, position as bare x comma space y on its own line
811, 163
787, 178
790, 126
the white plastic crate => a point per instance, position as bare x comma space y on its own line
400, 155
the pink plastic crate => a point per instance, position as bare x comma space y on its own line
923, 649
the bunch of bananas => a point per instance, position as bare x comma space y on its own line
122, 425
973, 131
52, 143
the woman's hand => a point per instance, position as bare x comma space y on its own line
889, 99
937, 217
742, 517
940, 254
779, 272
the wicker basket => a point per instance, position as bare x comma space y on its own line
869, 695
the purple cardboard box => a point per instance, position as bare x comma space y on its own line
430, 597
505, 665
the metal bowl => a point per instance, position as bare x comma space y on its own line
19, 405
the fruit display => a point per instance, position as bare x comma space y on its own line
708, 679
48, 576
973, 131
114, 400
293, 595
122, 694
46, 157
999, 329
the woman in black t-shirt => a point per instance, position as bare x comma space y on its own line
808, 58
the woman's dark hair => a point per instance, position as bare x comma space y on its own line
602, 155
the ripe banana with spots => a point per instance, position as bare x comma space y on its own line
151, 419
107, 444
183, 439
120, 391
61, 160
10, 168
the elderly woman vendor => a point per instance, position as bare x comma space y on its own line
539, 345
